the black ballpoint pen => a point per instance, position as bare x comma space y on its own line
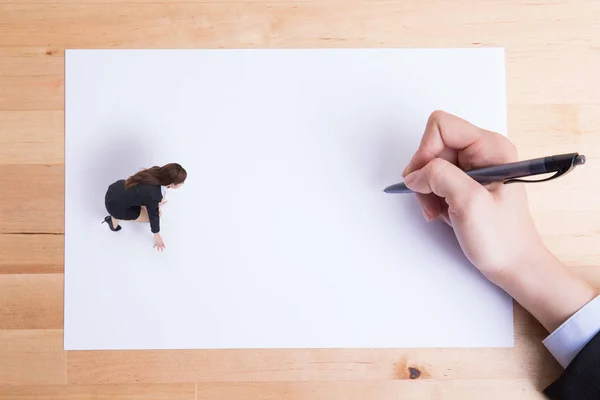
508, 173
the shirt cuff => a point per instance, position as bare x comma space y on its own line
572, 336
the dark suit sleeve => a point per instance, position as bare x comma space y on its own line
153, 215
153, 212
581, 379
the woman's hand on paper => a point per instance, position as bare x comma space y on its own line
159, 243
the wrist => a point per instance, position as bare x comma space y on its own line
514, 262
548, 290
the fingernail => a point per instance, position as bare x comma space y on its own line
426, 214
406, 170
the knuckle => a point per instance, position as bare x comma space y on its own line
511, 149
437, 115
503, 148
436, 168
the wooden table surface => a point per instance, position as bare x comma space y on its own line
553, 84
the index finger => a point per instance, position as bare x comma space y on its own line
447, 136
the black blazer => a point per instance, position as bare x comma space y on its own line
581, 379
149, 196
121, 201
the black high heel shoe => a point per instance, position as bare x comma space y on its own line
108, 220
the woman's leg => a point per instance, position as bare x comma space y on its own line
115, 222
143, 215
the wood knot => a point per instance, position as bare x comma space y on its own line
414, 373
49, 52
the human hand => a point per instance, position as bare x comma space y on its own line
493, 224
159, 243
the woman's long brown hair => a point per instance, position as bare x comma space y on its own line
170, 174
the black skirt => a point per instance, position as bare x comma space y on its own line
116, 203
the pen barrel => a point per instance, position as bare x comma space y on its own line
559, 164
500, 173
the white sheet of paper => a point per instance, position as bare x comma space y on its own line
282, 236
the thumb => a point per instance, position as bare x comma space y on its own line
448, 181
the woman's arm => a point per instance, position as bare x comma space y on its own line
153, 216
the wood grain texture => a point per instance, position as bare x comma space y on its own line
93, 367
31, 301
32, 137
181, 391
31, 254
380, 390
34, 200
32, 357
553, 70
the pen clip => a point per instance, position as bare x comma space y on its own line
556, 175
564, 166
